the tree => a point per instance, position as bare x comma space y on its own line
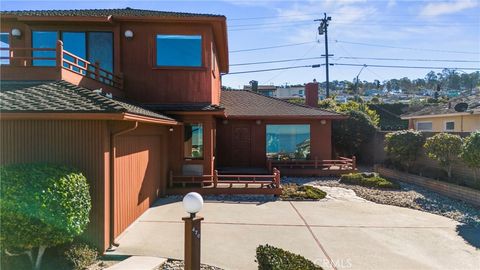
403, 146
350, 134
444, 148
41, 205
471, 152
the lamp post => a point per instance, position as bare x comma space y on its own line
192, 203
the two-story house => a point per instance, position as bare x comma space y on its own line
133, 98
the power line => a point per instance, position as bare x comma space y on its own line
273, 69
395, 66
354, 57
353, 65
273, 47
404, 48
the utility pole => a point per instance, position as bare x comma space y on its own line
323, 29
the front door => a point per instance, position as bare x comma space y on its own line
241, 145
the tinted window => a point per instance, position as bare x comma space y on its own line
288, 141
193, 142
100, 49
44, 39
4, 53
179, 50
75, 43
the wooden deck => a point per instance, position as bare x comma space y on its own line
226, 184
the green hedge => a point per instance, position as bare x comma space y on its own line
272, 258
42, 205
368, 180
390, 115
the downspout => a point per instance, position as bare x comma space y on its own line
113, 153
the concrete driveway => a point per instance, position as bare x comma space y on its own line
340, 232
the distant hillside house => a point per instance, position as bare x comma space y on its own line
461, 114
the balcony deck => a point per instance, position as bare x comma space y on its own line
63, 66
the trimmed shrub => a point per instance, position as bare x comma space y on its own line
41, 205
403, 146
81, 256
471, 152
272, 258
444, 148
368, 180
298, 192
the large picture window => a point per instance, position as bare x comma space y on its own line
286, 142
193, 142
5, 45
179, 51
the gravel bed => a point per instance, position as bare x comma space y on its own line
178, 265
410, 196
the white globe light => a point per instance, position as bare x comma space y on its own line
193, 202
16, 32
129, 34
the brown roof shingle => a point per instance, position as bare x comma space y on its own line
473, 102
62, 96
242, 103
104, 13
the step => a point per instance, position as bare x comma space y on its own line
139, 263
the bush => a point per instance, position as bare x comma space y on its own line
368, 180
403, 147
272, 258
297, 192
42, 205
444, 148
81, 256
471, 152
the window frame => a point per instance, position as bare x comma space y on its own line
445, 125
87, 37
202, 67
203, 141
9, 46
423, 122
289, 124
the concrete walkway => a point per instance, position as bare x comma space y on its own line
339, 232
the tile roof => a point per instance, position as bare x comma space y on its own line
473, 102
183, 107
242, 103
105, 12
61, 96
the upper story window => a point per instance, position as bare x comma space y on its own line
450, 126
44, 40
95, 47
4, 44
179, 51
424, 126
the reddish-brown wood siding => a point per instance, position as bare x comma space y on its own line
82, 144
228, 154
139, 176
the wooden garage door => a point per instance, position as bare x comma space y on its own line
138, 177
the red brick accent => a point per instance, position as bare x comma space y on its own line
311, 94
450, 190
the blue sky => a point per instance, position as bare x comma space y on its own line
429, 28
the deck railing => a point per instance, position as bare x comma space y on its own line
227, 181
342, 163
24, 57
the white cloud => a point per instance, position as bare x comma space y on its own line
442, 8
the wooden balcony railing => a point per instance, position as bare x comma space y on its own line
24, 57
227, 181
342, 163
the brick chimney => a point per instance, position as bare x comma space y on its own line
311, 94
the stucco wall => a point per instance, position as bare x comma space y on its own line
466, 123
